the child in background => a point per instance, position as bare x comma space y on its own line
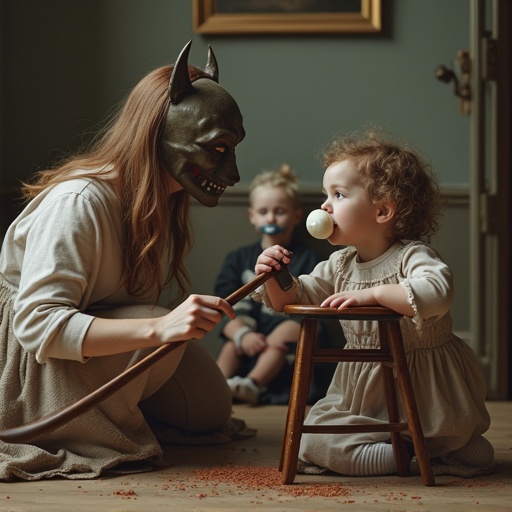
257, 341
384, 202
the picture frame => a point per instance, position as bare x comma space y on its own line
238, 17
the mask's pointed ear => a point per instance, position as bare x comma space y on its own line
211, 66
180, 84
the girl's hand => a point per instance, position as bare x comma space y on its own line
253, 343
351, 298
271, 258
392, 296
193, 318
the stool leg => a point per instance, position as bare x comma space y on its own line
409, 402
397, 441
298, 399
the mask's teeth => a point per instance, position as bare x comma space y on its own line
209, 186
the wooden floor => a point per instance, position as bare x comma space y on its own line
242, 475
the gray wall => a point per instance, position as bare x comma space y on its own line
64, 64
231, 217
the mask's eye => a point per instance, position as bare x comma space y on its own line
220, 149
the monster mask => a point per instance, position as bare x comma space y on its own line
202, 128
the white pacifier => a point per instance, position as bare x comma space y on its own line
320, 224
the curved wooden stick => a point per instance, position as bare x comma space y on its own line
53, 421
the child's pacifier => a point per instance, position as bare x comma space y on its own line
271, 229
320, 224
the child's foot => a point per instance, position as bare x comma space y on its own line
442, 466
306, 468
244, 389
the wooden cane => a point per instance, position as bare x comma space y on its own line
53, 421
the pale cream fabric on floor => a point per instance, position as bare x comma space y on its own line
114, 432
449, 385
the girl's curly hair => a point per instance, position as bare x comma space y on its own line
396, 174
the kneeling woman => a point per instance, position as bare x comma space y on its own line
83, 266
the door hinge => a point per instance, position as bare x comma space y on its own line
489, 59
488, 214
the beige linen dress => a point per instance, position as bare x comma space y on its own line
61, 264
447, 380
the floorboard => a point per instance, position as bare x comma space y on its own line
242, 475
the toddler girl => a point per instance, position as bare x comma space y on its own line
384, 202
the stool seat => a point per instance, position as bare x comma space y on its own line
391, 351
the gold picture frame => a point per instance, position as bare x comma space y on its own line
286, 17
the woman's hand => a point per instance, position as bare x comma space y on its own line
271, 259
193, 318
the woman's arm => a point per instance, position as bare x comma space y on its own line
192, 319
71, 261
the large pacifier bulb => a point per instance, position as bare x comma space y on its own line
319, 224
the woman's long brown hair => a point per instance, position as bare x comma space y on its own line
153, 223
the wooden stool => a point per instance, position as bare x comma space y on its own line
391, 351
